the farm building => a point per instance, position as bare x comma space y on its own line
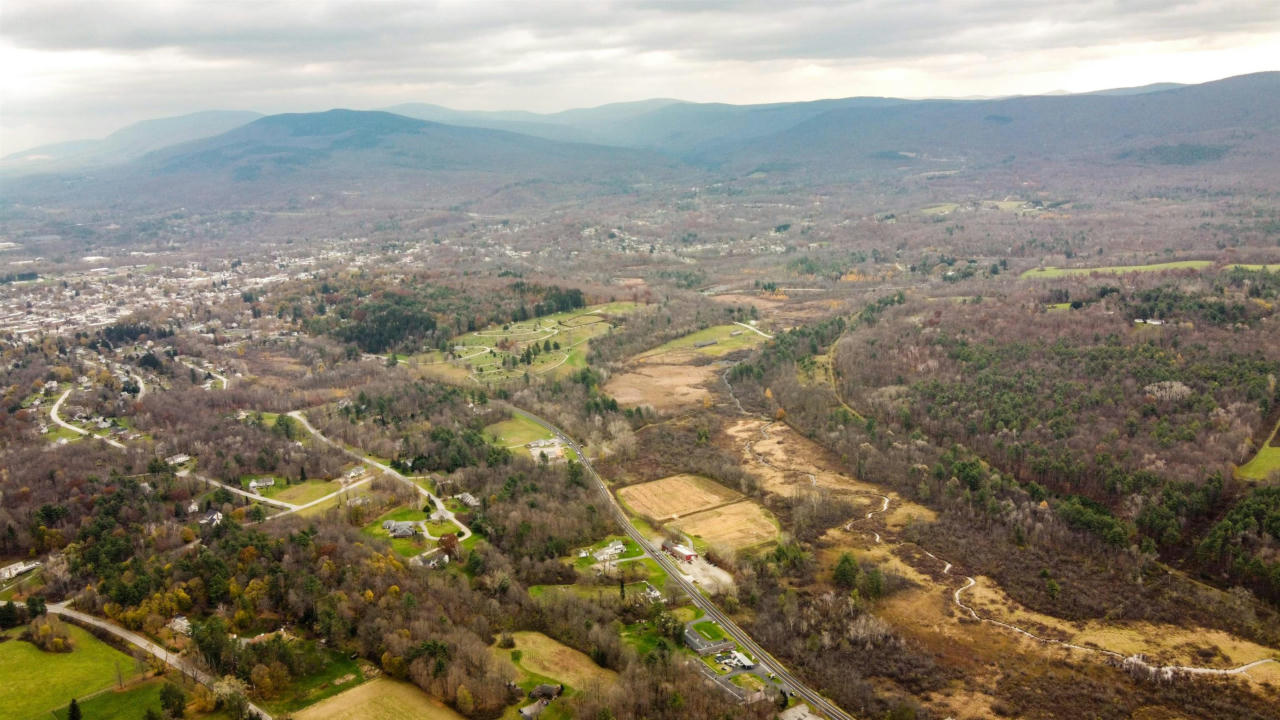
9, 572
679, 552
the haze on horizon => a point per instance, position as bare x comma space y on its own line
114, 64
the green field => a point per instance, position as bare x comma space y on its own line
302, 493
36, 682
517, 431
405, 547
631, 550
726, 341
1268, 268
710, 630
57, 432
439, 529
479, 355
314, 688
1265, 462
1056, 272
128, 704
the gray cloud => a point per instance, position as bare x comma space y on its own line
274, 56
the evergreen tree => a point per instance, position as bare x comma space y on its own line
846, 572
73, 710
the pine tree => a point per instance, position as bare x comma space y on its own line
73, 710
846, 572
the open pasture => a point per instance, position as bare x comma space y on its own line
1057, 272
663, 387
36, 682
712, 342
1266, 462
676, 496
738, 526
544, 656
516, 432
380, 699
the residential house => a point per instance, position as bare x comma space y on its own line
180, 625
400, 528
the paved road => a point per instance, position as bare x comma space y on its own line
53, 414
241, 491
769, 663
133, 638
226, 384
440, 506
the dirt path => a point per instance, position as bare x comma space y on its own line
1135, 662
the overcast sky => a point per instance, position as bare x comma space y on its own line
83, 69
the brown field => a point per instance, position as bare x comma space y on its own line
735, 527
661, 386
544, 656
381, 699
676, 496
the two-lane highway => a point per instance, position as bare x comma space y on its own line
816, 701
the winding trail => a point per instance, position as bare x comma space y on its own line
1134, 662
754, 329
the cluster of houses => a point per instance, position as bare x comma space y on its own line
550, 448
606, 553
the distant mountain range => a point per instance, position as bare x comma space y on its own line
127, 144
616, 147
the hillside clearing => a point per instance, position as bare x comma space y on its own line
380, 699
1057, 272
36, 682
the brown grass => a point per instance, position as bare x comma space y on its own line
665, 387
380, 699
544, 656
735, 527
676, 496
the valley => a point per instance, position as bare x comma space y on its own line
655, 411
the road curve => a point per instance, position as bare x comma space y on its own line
444, 511
816, 701
53, 414
150, 647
